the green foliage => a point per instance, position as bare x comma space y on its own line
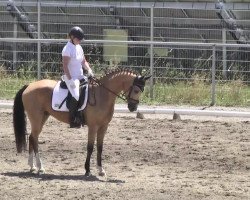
233, 94
25, 71
11, 81
196, 92
11, 84
193, 93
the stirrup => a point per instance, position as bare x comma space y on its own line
75, 125
79, 118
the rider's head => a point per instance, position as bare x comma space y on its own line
76, 32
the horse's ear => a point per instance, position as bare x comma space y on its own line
146, 77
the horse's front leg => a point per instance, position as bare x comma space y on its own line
90, 147
100, 136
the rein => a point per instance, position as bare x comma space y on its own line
99, 83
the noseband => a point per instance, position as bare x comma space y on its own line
129, 98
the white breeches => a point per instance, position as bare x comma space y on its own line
74, 91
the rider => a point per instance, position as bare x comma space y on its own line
73, 64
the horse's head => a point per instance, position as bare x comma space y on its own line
134, 93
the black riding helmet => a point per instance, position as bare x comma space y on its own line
77, 32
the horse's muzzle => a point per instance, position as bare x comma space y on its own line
132, 106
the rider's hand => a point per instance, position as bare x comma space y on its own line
90, 74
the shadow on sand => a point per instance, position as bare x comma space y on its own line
48, 177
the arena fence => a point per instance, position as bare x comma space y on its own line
150, 39
38, 62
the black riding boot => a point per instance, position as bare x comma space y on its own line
74, 117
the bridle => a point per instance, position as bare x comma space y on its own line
123, 96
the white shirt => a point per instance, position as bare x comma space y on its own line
75, 52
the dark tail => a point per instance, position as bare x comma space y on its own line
19, 121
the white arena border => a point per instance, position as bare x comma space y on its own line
159, 110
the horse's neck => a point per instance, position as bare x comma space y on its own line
114, 84
119, 82
110, 86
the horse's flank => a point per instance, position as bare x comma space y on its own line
37, 98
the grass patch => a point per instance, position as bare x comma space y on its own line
233, 94
178, 94
10, 84
197, 93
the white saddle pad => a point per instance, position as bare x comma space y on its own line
60, 94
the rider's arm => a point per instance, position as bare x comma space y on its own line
86, 66
65, 60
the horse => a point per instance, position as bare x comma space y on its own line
34, 100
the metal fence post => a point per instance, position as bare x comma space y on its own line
224, 53
151, 51
14, 45
39, 37
213, 76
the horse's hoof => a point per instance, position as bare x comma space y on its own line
33, 170
41, 171
102, 173
88, 174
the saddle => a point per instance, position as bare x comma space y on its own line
82, 88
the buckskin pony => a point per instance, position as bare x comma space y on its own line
35, 100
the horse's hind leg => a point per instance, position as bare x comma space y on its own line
36, 127
33, 151
31, 155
